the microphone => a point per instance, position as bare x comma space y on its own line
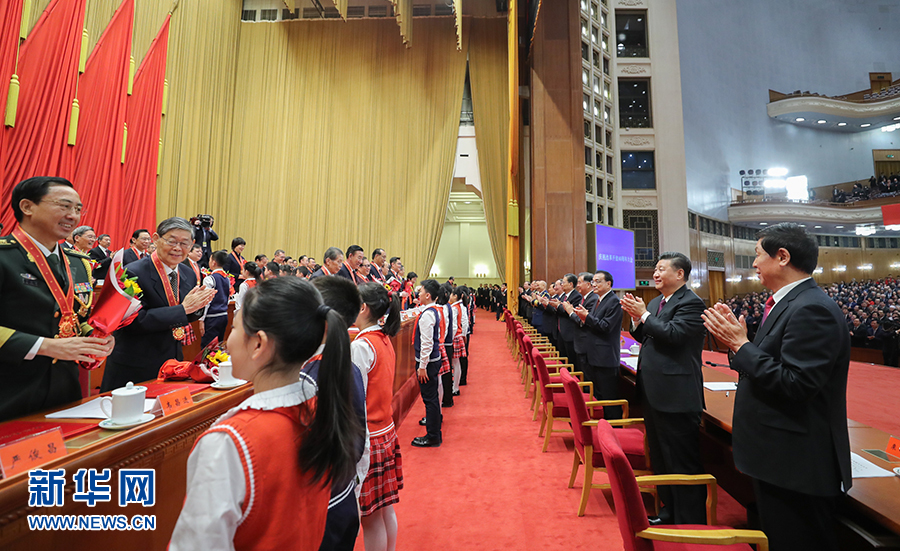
717, 365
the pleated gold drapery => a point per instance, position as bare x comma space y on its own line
343, 136
488, 77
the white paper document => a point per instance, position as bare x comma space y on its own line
720, 386
625, 352
631, 361
863, 468
90, 410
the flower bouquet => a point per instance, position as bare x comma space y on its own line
117, 305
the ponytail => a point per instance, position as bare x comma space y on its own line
376, 297
329, 450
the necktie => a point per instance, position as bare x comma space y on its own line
661, 304
173, 283
53, 261
769, 304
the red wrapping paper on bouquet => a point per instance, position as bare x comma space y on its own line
116, 307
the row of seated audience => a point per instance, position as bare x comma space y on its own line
883, 186
871, 310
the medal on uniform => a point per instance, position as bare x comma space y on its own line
182, 334
68, 322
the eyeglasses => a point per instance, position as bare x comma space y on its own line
68, 206
180, 244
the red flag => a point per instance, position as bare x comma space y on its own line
102, 96
10, 21
144, 117
48, 73
890, 214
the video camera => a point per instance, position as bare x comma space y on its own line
203, 220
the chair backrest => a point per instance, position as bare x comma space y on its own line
543, 376
578, 412
626, 493
527, 347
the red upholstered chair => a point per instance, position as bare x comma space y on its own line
587, 451
553, 397
552, 360
520, 359
636, 531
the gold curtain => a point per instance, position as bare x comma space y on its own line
343, 136
488, 77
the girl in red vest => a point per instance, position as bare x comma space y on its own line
373, 353
251, 275
260, 477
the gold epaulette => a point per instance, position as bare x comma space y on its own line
73, 252
8, 241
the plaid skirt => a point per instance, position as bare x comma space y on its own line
445, 360
459, 347
385, 477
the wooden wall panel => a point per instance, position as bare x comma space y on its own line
557, 170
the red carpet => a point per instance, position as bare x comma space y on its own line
489, 486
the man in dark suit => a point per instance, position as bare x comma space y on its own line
350, 267
567, 326
550, 323
790, 410
102, 256
333, 260
601, 340
204, 235
38, 345
157, 333
670, 383
140, 242
584, 286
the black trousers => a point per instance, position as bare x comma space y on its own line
464, 364
215, 327
606, 384
447, 380
673, 440
429, 392
567, 349
793, 521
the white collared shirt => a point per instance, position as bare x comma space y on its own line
781, 293
32, 352
426, 335
215, 478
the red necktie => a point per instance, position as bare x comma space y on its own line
661, 304
769, 304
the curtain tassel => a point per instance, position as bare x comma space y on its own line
73, 122
23, 29
165, 102
82, 62
159, 159
12, 101
131, 76
124, 142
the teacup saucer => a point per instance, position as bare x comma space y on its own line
108, 424
218, 385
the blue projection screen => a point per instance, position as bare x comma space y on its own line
614, 252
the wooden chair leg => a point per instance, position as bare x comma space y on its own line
536, 405
575, 465
588, 481
543, 422
549, 412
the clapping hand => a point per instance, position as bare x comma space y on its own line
198, 298
633, 306
567, 306
724, 326
581, 312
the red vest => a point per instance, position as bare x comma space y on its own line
282, 508
380, 388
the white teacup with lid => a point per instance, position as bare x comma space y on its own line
635, 349
222, 374
126, 404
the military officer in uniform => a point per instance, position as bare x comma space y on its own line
45, 300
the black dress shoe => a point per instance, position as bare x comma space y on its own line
425, 442
654, 521
422, 421
446, 404
456, 393
462, 383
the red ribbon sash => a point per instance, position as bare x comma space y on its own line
65, 301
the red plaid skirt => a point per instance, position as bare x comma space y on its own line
385, 477
459, 347
445, 361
